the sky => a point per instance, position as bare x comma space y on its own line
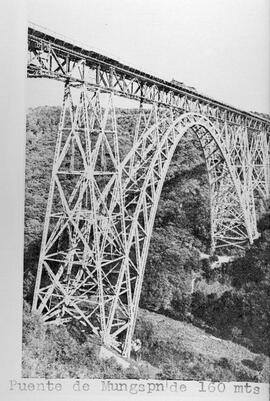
221, 47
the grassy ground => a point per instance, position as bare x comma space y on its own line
194, 339
190, 353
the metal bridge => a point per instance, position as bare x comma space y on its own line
103, 195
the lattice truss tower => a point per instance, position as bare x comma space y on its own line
103, 199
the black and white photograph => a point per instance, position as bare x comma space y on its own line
146, 226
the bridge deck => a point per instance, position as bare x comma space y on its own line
54, 57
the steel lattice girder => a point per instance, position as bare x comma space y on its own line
102, 205
58, 58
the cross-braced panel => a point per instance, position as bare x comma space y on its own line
260, 155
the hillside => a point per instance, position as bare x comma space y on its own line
184, 352
238, 306
171, 350
182, 293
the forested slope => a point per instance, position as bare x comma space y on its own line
230, 302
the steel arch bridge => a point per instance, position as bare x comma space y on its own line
103, 197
